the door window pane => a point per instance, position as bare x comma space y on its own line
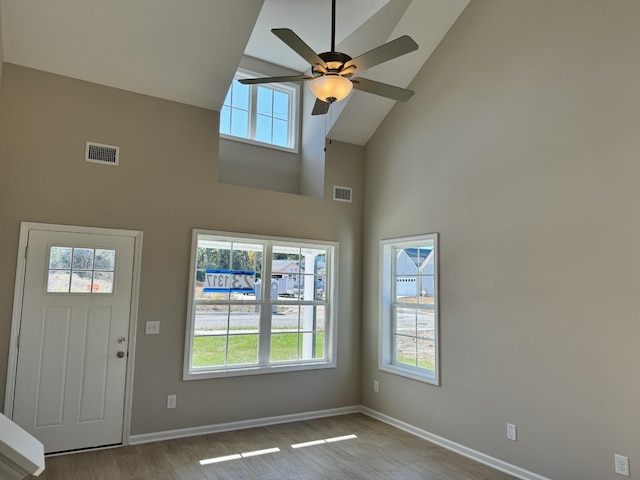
105, 260
81, 282
103, 282
60, 257
58, 281
82, 258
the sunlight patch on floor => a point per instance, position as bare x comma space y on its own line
238, 456
326, 440
255, 453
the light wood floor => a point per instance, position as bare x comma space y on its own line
378, 452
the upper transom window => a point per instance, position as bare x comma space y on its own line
265, 114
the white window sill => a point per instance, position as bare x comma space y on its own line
255, 370
412, 373
255, 143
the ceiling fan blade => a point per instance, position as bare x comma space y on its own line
395, 48
297, 44
320, 107
382, 89
290, 78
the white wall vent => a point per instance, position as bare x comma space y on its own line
341, 194
99, 153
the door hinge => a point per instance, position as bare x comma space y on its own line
18, 343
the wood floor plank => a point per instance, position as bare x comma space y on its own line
80, 468
378, 451
56, 467
105, 466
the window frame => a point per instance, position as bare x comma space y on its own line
387, 350
265, 333
290, 88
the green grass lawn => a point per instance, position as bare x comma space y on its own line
210, 350
411, 361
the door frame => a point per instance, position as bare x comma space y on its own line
16, 318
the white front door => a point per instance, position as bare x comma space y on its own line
72, 354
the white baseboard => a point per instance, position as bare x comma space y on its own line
227, 427
262, 422
455, 447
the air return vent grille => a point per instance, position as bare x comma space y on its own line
341, 194
99, 153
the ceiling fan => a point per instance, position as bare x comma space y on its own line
335, 74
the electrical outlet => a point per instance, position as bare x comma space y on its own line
511, 432
622, 465
171, 401
376, 386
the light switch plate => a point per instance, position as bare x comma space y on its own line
152, 328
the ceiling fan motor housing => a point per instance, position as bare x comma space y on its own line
335, 62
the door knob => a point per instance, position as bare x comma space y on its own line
120, 354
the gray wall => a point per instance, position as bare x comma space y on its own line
520, 148
258, 167
166, 185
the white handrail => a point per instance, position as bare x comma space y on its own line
19, 451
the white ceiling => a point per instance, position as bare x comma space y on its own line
188, 50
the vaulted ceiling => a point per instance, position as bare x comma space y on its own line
188, 50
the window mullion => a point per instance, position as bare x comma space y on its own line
273, 112
394, 306
294, 122
264, 346
253, 111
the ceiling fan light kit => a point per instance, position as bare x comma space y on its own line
332, 72
331, 87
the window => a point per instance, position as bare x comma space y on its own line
80, 270
259, 304
409, 319
263, 113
